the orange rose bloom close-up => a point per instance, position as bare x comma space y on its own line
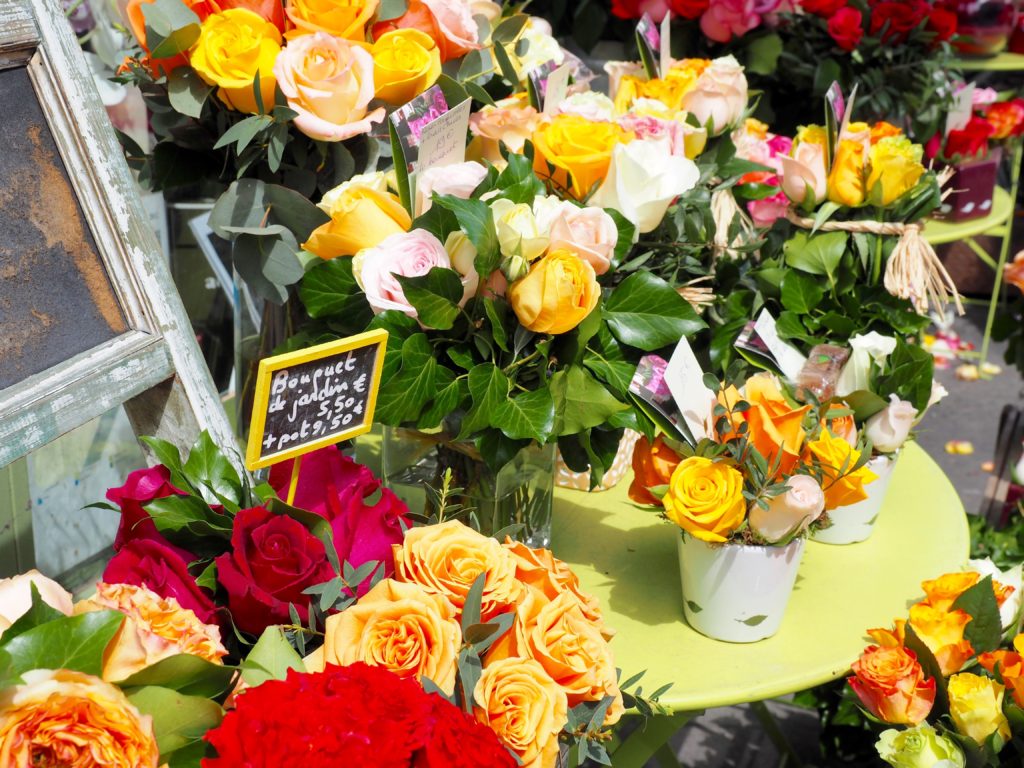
891, 684
776, 426
653, 465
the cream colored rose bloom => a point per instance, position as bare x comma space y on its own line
509, 122
519, 233
448, 557
400, 627
517, 700
68, 719
155, 629
16, 596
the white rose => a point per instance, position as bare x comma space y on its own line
462, 252
643, 180
866, 349
593, 105
377, 181
542, 47
800, 506
16, 596
459, 179
518, 231
938, 393
588, 232
719, 97
889, 428
1009, 610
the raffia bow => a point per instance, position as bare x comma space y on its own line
913, 271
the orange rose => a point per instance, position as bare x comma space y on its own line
447, 558
883, 130
943, 591
891, 684
72, 720
653, 465
890, 638
842, 426
579, 150
943, 633
155, 628
1013, 273
1006, 117
527, 710
398, 626
341, 18
775, 425
833, 455
1010, 666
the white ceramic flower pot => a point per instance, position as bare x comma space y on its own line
735, 592
855, 522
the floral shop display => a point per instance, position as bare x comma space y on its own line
745, 495
985, 26
946, 680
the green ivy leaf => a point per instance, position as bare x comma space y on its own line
488, 387
435, 296
403, 396
179, 721
39, 613
530, 415
210, 468
800, 292
330, 290
817, 255
581, 402
646, 312
185, 673
72, 642
445, 402
181, 517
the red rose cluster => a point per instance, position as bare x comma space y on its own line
354, 716
892, 21
634, 9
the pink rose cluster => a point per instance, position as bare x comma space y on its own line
720, 20
755, 143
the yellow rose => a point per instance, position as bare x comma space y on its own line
73, 720
234, 48
846, 179
405, 63
398, 626
976, 706
527, 710
445, 559
519, 234
155, 628
556, 295
579, 150
834, 453
341, 18
943, 632
895, 169
363, 213
705, 499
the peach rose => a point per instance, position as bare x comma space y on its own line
155, 629
398, 626
803, 175
509, 122
652, 466
458, 34
445, 559
891, 684
719, 97
459, 179
16, 596
789, 512
556, 295
72, 720
842, 426
341, 18
517, 700
329, 82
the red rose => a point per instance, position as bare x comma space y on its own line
336, 488
344, 716
943, 23
151, 564
969, 142
141, 487
273, 559
823, 8
457, 740
688, 9
845, 27
897, 18
634, 9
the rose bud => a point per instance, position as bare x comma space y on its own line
800, 506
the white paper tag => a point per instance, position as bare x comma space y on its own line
666, 44
962, 109
789, 358
556, 89
685, 380
443, 141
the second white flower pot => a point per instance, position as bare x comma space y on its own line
735, 592
855, 522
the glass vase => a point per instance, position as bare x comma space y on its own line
519, 494
984, 26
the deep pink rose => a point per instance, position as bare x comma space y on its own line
140, 487
765, 212
336, 488
726, 19
273, 559
152, 564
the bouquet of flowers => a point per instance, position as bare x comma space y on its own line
948, 676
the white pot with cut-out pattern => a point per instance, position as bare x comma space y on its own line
735, 592
855, 522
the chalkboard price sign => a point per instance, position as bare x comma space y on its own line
314, 398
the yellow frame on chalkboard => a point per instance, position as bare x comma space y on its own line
270, 365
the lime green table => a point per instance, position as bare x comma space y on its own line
1001, 62
626, 556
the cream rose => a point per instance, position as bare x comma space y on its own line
643, 180
541, 47
398, 626
888, 429
804, 179
459, 180
590, 232
592, 105
16, 596
519, 234
866, 349
329, 82
719, 98
789, 512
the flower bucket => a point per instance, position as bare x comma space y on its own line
735, 592
855, 522
973, 186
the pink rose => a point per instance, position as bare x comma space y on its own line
589, 232
160, 568
791, 511
726, 19
336, 488
459, 180
647, 127
765, 212
141, 487
456, 25
409, 254
719, 98
803, 174
329, 82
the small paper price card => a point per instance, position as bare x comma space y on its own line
315, 397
